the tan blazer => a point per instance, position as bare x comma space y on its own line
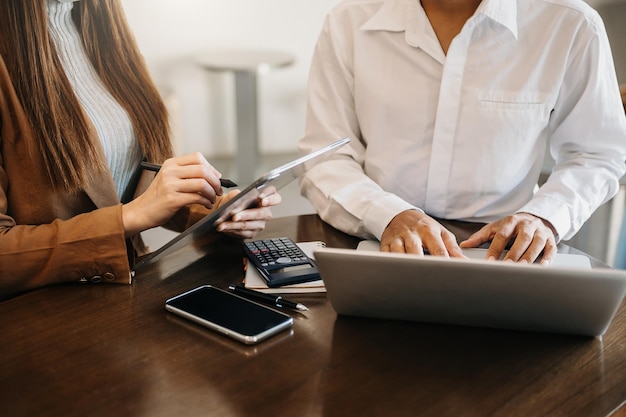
50, 237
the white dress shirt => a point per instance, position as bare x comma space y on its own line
463, 135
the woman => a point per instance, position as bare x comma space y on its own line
78, 113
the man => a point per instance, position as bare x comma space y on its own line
451, 105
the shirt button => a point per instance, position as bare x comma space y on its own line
96, 278
108, 276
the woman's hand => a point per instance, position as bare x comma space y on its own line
183, 180
247, 223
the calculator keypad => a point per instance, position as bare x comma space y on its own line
277, 251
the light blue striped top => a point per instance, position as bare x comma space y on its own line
110, 120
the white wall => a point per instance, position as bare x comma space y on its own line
169, 32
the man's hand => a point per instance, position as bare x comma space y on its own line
413, 232
532, 238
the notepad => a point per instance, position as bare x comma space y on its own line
254, 280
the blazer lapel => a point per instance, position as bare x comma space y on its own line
101, 191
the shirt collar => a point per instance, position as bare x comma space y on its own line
503, 12
390, 17
409, 16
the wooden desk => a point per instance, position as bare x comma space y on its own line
101, 350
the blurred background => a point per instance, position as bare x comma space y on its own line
172, 33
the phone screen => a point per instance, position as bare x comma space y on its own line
229, 314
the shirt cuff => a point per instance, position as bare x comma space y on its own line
554, 211
381, 212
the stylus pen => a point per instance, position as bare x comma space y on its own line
156, 167
269, 298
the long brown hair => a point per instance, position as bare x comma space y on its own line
46, 95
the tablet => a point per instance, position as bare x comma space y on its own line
276, 178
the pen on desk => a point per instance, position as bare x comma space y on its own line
275, 299
156, 167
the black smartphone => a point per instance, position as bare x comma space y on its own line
280, 261
229, 314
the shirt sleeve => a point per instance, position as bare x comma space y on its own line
339, 188
588, 137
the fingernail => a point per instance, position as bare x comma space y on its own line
491, 258
523, 261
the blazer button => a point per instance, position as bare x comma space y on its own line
96, 278
109, 276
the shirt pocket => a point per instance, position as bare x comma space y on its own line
514, 101
504, 132
512, 116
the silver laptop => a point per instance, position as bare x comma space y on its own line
276, 178
568, 298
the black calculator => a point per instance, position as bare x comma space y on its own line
281, 262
